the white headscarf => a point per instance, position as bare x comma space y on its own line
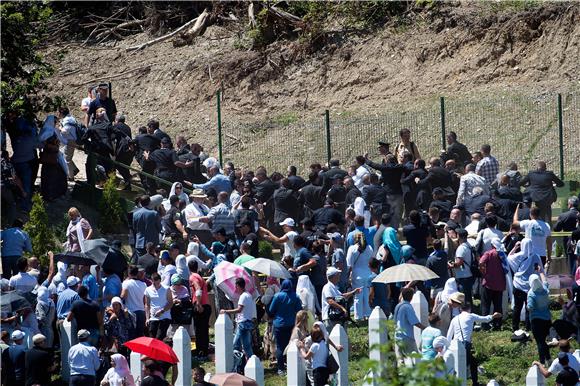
441, 341
155, 201
307, 294
535, 283
120, 374
182, 196
181, 266
42, 296
449, 289
323, 329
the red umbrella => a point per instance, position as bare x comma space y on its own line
232, 379
153, 348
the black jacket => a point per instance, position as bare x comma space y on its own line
265, 190
390, 175
311, 197
567, 221
421, 192
476, 204
460, 152
438, 177
351, 195
444, 207
285, 204
539, 185
328, 176
296, 182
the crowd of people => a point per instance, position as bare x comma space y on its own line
337, 230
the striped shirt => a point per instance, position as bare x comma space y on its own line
221, 217
488, 168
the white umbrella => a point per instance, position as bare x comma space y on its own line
268, 267
405, 272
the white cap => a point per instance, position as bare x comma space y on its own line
17, 335
38, 338
331, 271
288, 221
83, 334
71, 281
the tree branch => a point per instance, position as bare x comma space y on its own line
164, 37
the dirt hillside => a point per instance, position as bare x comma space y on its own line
470, 48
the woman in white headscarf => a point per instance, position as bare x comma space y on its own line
442, 297
307, 294
440, 344
58, 282
176, 190
119, 374
45, 314
181, 267
523, 263
540, 317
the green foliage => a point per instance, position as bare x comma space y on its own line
286, 119
23, 69
264, 249
37, 227
112, 216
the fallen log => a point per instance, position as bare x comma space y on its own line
198, 29
162, 38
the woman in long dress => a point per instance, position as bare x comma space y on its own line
53, 183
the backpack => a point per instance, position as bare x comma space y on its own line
80, 132
474, 265
239, 362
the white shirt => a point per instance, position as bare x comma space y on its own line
157, 301
319, 354
464, 253
538, 231
328, 291
473, 227
85, 103
249, 310
135, 292
166, 273
461, 327
192, 214
83, 359
487, 235
361, 171
23, 282
289, 249
556, 367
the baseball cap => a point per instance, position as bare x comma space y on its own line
38, 338
83, 334
336, 236
332, 271
165, 255
288, 221
71, 281
17, 335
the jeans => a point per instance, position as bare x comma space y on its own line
466, 286
82, 380
540, 330
362, 309
139, 329
243, 337
490, 297
201, 326
282, 336
158, 328
520, 300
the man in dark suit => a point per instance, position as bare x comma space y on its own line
296, 182
540, 186
285, 203
146, 225
375, 197
457, 150
568, 222
391, 173
352, 191
439, 177
311, 197
439, 202
264, 190
332, 173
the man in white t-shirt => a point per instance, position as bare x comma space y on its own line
22, 282
245, 314
133, 294
85, 103
487, 234
556, 367
462, 265
330, 295
538, 231
288, 239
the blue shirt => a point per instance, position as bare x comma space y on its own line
339, 262
368, 236
219, 183
538, 303
380, 298
111, 287
427, 337
437, 262
302, 257
405, 320
14, 242
64, 302
83, 359
90, 282
283, 308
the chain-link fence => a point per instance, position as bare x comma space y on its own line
519, 128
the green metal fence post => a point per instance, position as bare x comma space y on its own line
327, 125
219, 123
442, 111
561, 135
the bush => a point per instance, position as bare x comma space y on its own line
41, 235
264, 249
111, 212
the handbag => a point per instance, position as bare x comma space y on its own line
336, 314
182, 313
331, 364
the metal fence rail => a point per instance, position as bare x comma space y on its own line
519, 128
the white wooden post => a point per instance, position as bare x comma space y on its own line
534, 377
339, 337
224, 344
450, 362
68, 338
421, 308
255, 370
182, 348
295, 366
378, 336
458, 350
135, 366
493, 382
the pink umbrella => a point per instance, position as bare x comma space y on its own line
562, 281
226, 274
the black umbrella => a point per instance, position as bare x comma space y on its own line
95, 252
12, 301
76, 258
